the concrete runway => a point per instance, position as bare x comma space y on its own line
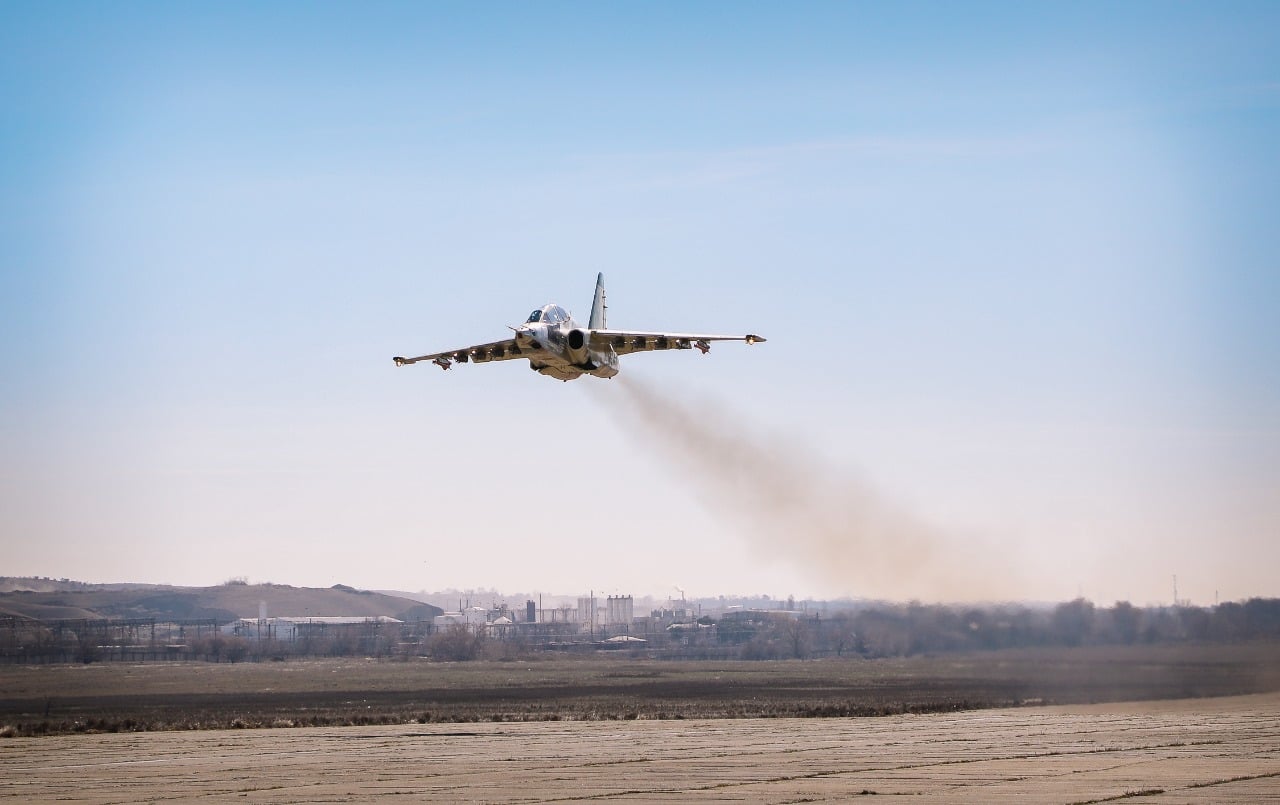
1189, 751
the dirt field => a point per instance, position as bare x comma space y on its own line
105, 697
1224, 750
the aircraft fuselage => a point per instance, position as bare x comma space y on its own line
559, 347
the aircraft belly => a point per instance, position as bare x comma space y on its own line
553, 365
561, 374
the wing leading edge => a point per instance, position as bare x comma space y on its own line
625, 342
480, 353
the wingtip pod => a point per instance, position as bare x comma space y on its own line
751, 338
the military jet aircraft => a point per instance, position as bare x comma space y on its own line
557, 346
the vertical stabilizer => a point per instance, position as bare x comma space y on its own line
598, 307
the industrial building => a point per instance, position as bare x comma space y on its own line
619, 611
289, 629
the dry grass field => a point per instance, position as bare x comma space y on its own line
60, 699
1220, 750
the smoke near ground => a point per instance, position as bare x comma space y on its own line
793, 507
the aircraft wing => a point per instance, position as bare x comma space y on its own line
624, 342
480, 353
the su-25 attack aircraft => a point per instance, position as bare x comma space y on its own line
557, 346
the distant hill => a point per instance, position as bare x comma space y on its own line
226, 602
39, 584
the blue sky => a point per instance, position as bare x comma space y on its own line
1017, 265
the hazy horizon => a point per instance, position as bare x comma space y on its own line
477, 596
1017, 265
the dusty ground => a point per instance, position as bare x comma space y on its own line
125, 697
1220, 750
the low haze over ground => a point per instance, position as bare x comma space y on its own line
1017, 265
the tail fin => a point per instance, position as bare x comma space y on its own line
598, 307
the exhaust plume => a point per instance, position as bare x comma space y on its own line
834, 527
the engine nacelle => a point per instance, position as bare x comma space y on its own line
576, 344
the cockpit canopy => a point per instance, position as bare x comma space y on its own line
551, 314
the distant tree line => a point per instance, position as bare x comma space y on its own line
903, 630
883, 630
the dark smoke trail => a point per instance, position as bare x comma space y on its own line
832, 526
